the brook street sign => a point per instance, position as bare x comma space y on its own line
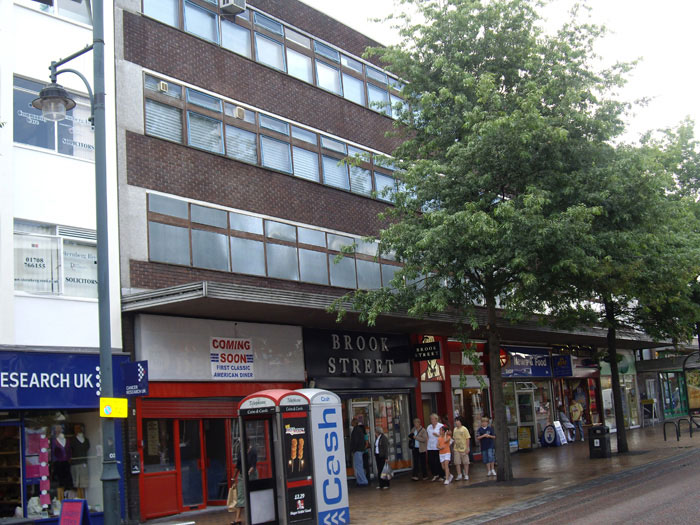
426, 351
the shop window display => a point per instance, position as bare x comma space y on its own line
62, 461
10, 474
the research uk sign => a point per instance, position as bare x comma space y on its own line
231, 358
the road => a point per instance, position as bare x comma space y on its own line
665, 494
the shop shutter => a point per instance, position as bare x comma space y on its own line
189, 408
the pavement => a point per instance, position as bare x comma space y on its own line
542, 475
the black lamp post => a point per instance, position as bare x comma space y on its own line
54, 101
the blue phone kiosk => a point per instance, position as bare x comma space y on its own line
330, 476
275, 434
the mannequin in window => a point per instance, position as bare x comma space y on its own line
79, 462
60, 462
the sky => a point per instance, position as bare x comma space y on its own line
665, 34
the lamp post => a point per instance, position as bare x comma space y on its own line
54, 101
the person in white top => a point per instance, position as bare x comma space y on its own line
433, 452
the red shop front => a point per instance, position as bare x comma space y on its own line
187, 432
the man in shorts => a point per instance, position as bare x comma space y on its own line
461, 437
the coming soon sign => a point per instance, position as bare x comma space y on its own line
231, 358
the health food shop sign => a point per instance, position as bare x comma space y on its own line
231, 358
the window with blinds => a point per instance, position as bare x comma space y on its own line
306, 164
335, 173
241, 144
275, 154
204, 132
163, 121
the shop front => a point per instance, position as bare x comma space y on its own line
187, 429
628, 389
576, 378
371, 373
50, 433
527, 391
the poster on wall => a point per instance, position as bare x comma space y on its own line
231, 358
296, 447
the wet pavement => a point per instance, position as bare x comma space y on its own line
538, 474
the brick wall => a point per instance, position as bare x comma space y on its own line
172, 168
177, 54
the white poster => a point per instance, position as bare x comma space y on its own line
231, 358
36, 264
79, 269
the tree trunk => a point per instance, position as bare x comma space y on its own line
615, 378
504, 469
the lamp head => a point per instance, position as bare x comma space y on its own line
53, 102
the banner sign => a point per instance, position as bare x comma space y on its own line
526, 362
231, 358
135, 378
561, 366
426, 351
74, 512
37, 380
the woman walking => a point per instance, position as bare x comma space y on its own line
381, 454
420, 445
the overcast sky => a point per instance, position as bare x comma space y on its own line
664, 33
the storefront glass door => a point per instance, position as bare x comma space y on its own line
526, 411
674, 394
191, 471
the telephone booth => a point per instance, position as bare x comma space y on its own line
330, 478
275, 434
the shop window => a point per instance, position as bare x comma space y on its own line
165, 11
201, 22
269, 52
335, 173
328, 77
72, 136
163, 121
235, 38
158, 447
275, 154
210, 250
61, 461
282, 262
342, 272
168, 244
299, 66
313, 266
247, 256
204, 132
241, 144
353, 89
306, 164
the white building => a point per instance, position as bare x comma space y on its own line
48, 271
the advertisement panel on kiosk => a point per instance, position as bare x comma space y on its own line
275, 425
329, 471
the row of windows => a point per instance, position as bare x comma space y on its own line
217, 126
192, 235
271, 43
72, 136
48, 263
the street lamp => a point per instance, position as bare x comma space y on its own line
53, 102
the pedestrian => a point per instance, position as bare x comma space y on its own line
366, 463
357, 448
381, 455
251, 464
566, 423
444, 442
419, 437
432, 447
461, 438
576, 412
486, 436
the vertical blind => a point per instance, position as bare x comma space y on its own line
163, 121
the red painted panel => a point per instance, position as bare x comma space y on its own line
159, 494
213, 389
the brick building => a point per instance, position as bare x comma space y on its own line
233, 206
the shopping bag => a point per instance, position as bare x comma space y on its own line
387, 474
232, 497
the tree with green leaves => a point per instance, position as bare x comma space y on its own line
498, 118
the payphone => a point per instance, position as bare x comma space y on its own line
275, 434
330, 477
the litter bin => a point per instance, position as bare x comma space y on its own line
599, 442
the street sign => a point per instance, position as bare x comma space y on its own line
135, 378
114, 407
426, 351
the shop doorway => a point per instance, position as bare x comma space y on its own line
526, 408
